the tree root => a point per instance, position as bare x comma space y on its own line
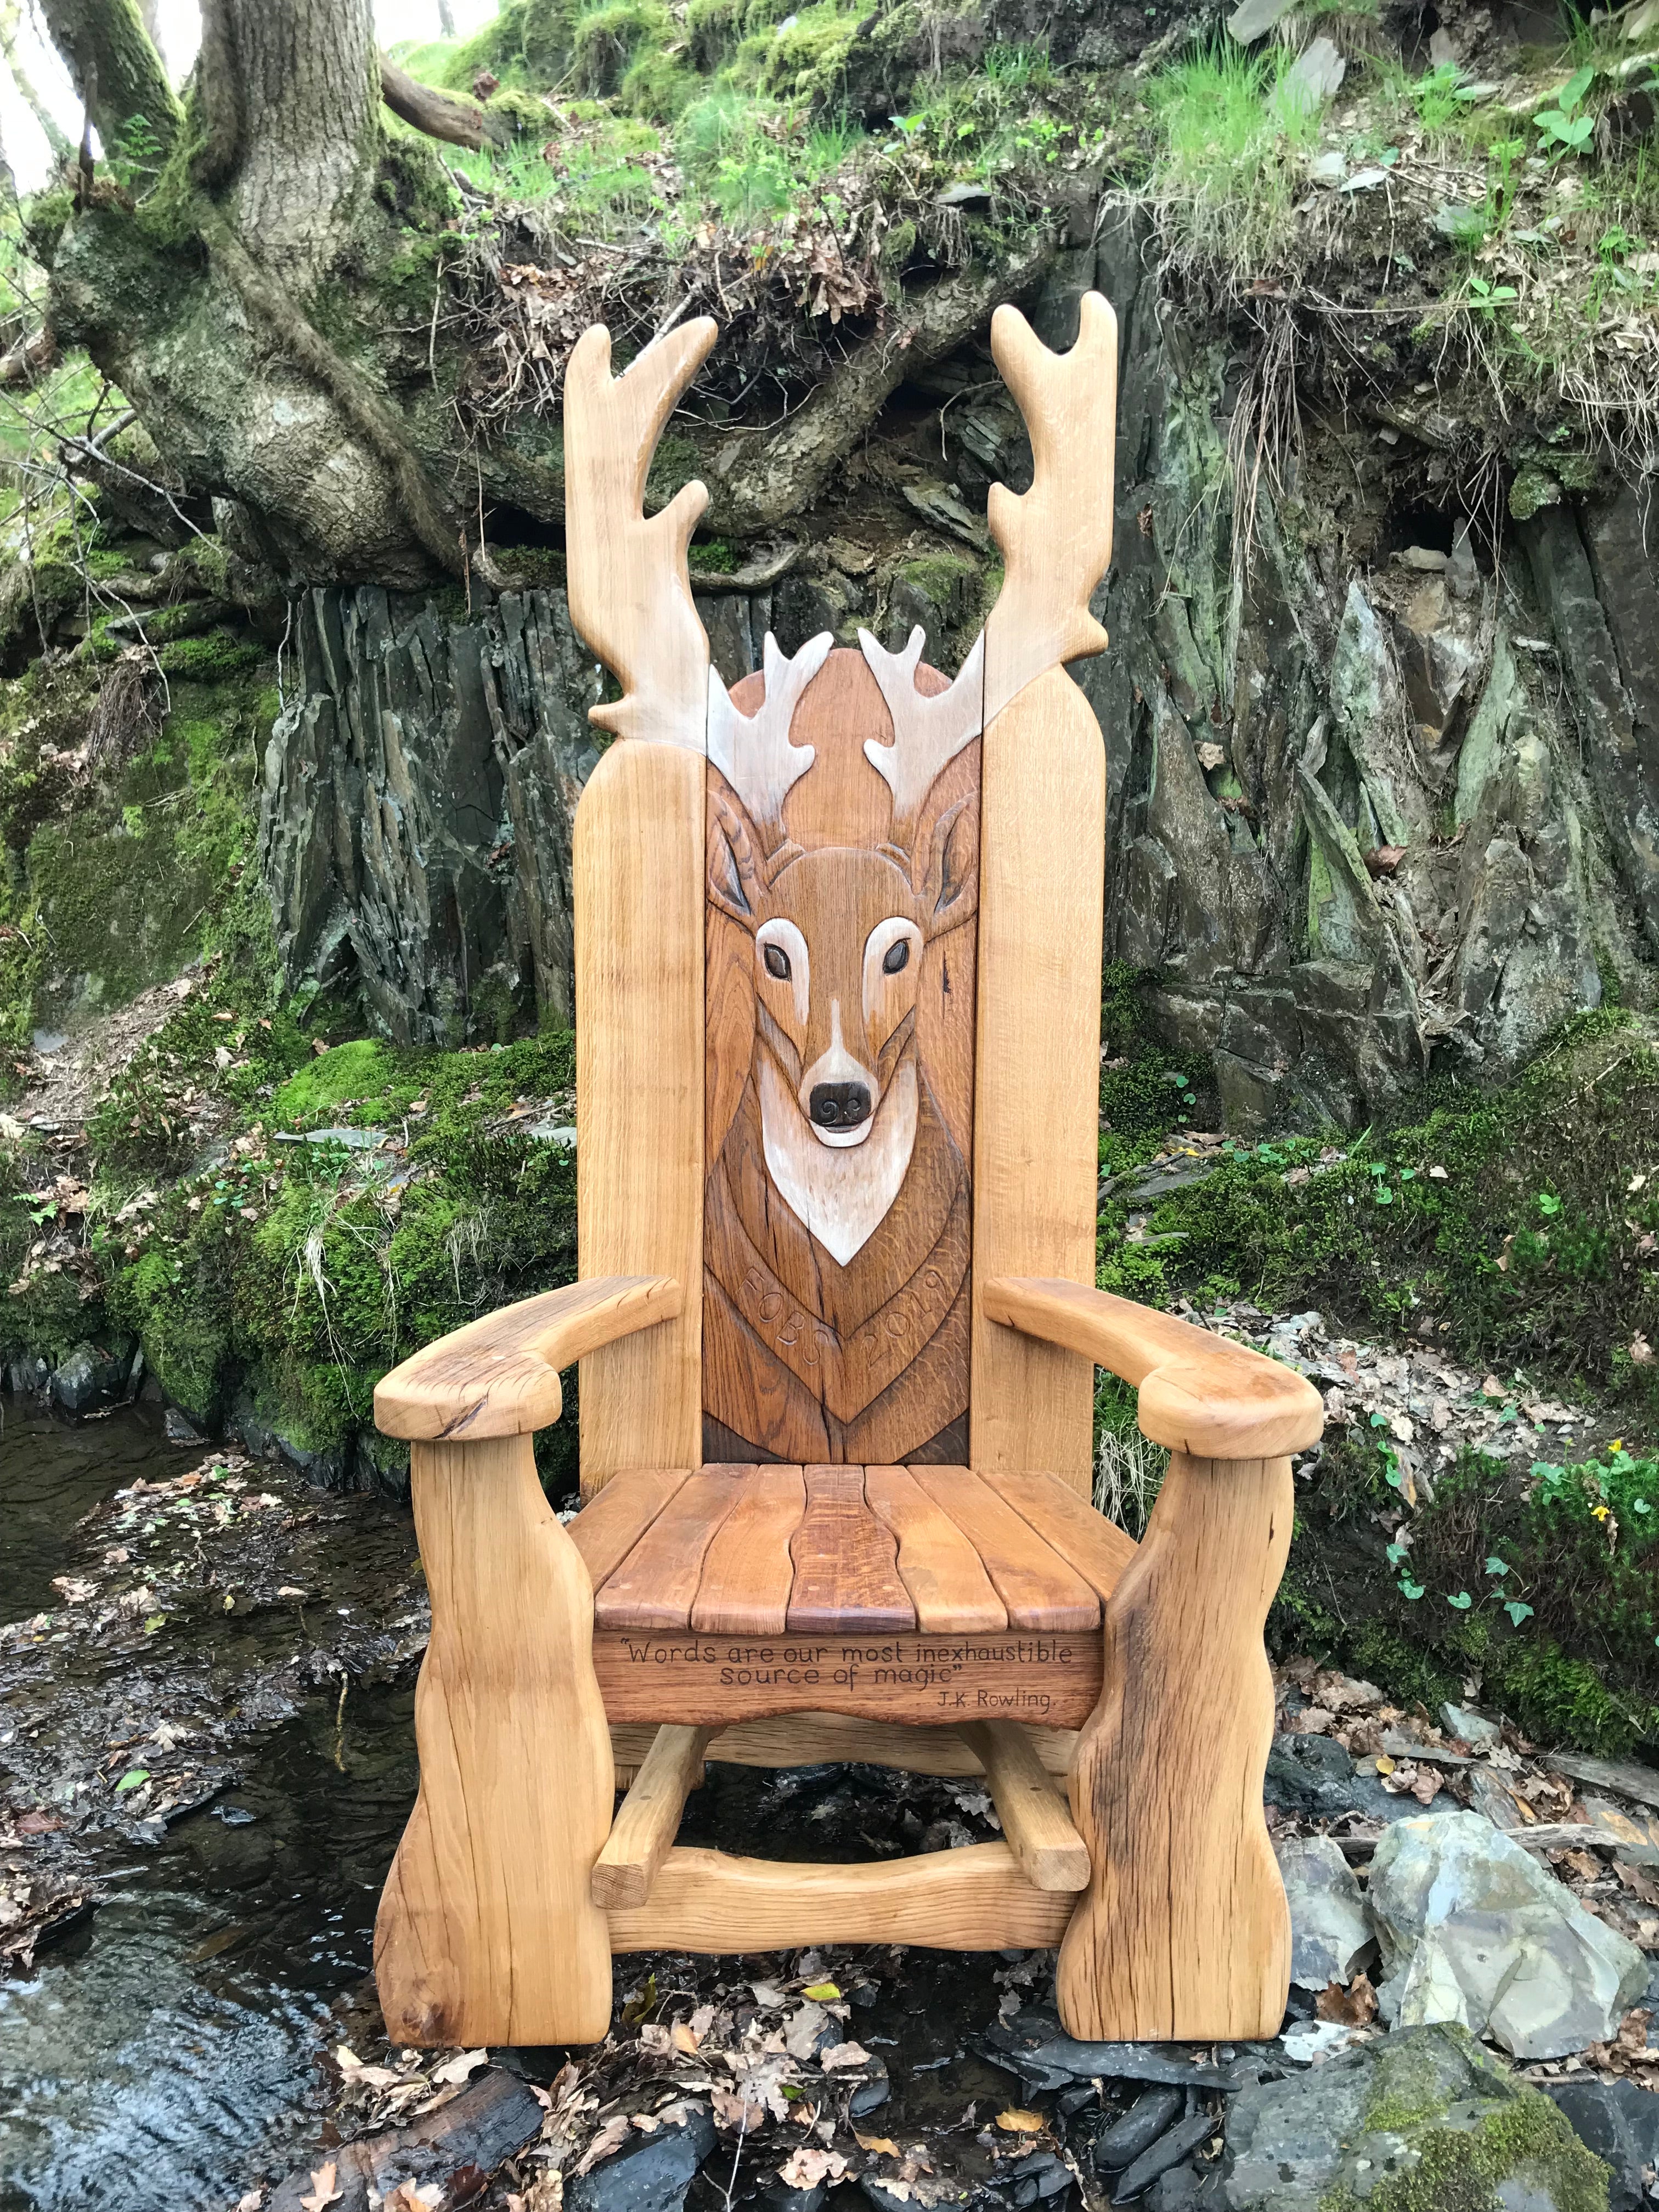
440, 114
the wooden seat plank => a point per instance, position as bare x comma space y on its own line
937, 1563
747, 1571
614, 1519
1096, 1546
655, 1584
1038, 1587
847, 1575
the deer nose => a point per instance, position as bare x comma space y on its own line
840, 1105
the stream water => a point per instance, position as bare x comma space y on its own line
165, 2050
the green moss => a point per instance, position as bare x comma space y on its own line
1532, 488
807, 61
658, 81
713, 28
608, 36
1528, 2143
528, 44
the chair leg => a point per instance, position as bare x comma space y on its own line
487, 1933
1184, 1932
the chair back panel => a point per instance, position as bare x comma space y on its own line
839, 980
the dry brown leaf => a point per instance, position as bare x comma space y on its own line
884, 2143
1014, 2121
1354, 2006
683, 2038
843, 2055
323, 2193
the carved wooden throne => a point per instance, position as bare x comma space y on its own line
838, 943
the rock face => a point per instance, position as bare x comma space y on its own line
1473, 1930
1374, 806
1620, 2122
1329, 1932
1420, 2118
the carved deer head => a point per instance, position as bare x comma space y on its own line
838, 933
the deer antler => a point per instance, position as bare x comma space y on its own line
1056, 538
928, 732
630, 595
753, 752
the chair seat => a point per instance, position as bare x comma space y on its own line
922, 1593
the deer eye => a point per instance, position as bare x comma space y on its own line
897, 956
777, 962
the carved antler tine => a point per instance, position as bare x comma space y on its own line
630, 593
753, 752
928, 731
1056, 539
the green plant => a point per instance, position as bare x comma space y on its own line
1565, 128
1225, 171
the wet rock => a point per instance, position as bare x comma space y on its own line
27, 1374
651, 2175
1473, 1930
1038, 2177
1473, 1727
92, 1376
1310, 1774
493, 2117
179, 1429
1151, 2112
1169, 2150
1329, 1932
1620, 2122
1034, 2045
869, 2097
1427, 2104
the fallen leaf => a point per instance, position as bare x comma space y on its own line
1354, 2006
822, 1992
806, 2166
656, 2040
1383, 860
457, 2070
843, 2056
1014, 2121
735, 2108
683, 2038
1641, 1350
613, 2134
323, 2193
882, 2144
1211, 755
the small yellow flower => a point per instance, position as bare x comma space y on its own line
1617, 1445
1600, 1512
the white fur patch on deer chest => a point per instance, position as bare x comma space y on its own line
842, 883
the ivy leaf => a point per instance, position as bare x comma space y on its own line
1411, 1589
134, 1778
1463, 1602
1640, 1506
1396, 1552
1548, 1203
1496, 1566
1518, 1612
1384, 1195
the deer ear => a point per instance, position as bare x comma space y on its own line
950, 889
733, 871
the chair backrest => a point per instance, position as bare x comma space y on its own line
838, 939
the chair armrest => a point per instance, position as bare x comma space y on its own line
1199, 1394
500, 1376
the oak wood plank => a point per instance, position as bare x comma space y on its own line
1050, 1679
655, 1583
972, 1899
638, 871
847, 1578
1183, 1931
649, 1817
1086, 1539
612, 1520
811, 1739
938, 1565
486, 1932
500, 1376
1040, 1590
1036, 1109
1035, 1820
747, 1571
1199, 1393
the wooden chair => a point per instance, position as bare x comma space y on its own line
838, 948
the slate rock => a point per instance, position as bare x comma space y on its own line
1310, 1774
650, 2175
1034, 2045
179, 1428
1329, 1932
780, 2198
92, 1376
869, 2097
1146, 2119
1427, 2105
1049, 2175
1620, 2122
1475, 1931
1169, 2150
1473, 1727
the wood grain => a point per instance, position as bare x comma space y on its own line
500, 1376
1183, 1931
1036, 1107
846, 1579
1040, 1590
747, 1571
940, 1569
1199, 1392
972, 1899
810, 1739
612, 1522
656, 1582
1086, 1539
649, 1817
639, 908
1050, 1680
486, 1932
1035, 1822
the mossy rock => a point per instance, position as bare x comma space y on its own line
529, 44
608, 37
1421, 2121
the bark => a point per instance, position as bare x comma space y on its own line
113, 66
445, 19
149, 14
440, 114
9, 17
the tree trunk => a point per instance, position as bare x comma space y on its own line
9, 17
445, 19
149, 12
113, 66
